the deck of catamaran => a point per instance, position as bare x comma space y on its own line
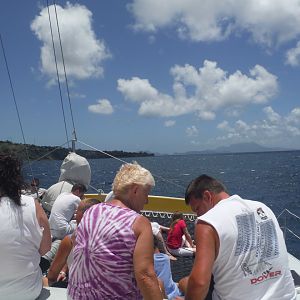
160, 209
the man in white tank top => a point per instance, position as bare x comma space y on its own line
240, 243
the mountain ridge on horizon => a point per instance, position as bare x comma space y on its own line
237, 148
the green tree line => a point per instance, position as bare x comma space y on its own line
33, 152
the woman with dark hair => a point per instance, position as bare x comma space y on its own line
24, 235
179, 241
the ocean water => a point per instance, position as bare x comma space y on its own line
270, 177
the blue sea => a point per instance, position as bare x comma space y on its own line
269, 177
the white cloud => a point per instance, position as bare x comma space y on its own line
170, 123
272, 116
275, 129
212, 88
294, 116
83, 52
224, 126
136, 89
102, 107
192, 131
241, 125
268, 21
293, 56
77, 96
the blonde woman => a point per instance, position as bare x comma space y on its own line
113, 255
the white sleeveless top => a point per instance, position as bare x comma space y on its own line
20, 238
252, 262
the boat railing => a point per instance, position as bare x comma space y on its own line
285, 225
166, 215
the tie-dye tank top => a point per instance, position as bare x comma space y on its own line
103, 255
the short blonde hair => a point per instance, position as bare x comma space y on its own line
130, 174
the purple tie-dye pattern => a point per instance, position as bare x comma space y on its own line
103, 255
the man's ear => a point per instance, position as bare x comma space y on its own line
207, 196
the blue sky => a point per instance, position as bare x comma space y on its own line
152, 75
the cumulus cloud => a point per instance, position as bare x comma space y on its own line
102, 107
169, 123
192, 131
272, 116
224, 126
294, 116
268, 21
293, 56
83, 53
212, 89
274, 128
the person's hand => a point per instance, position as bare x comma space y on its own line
62, 276
178, 298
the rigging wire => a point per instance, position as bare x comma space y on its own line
65, 73
116, 158
48, 153
57, 74
16, 105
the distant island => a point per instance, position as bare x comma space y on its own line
237, 148
59, 153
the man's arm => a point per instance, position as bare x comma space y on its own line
207, 245
143, 260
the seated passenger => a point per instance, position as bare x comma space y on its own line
24, 235
64, 256
163, 271
74, 169
61, 220
61, 217
157, 232
179, 241
113, 254
33, 189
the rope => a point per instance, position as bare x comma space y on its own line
292, 214
293, 233
65, 73
123, 161
45, 155
57, 74
286, 210
103, 152
16, 105
99, 191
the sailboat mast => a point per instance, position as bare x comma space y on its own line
74, 140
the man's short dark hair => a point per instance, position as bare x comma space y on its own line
199, 185
80, 187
